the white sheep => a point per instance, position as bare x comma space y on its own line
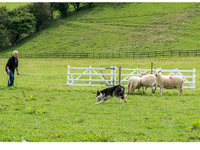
174, 82
134, 83
148, 81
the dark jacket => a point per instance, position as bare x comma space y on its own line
12, 64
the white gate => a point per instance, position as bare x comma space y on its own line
112, 74
99, 77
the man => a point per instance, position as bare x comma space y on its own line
11, 65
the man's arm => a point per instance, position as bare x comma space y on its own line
17, 71
8, 69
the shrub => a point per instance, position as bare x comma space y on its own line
20, 22
61, 7
43, 13
3, 22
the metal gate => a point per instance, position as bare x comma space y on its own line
96, 76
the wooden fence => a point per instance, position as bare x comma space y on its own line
150, 54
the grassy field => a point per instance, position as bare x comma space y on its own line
43, 108
12, 5
119, 27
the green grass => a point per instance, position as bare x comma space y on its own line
119, 27
45, 109
12, 5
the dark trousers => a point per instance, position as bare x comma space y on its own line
11, 78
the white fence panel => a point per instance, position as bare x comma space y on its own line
112, 76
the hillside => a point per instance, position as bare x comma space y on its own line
119, 27
12, 5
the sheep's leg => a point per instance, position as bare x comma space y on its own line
129, 89
145, 90
152, 90
161, 89
180, 91
133, 89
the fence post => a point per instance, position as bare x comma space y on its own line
90, 77
68, 72
115, 78
194, 76
119, 75
151, 68
111, 77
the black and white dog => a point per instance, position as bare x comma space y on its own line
117, 91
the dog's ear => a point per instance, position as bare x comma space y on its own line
98, 92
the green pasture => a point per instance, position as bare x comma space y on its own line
119, 27
43, 108
13, 5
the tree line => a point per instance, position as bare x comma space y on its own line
21, 20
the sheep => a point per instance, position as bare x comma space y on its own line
148, 81
134, 83
174, 82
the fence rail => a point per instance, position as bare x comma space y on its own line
150, 54
93, 76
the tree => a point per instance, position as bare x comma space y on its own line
76, 6
61, 7
20, 21
3, 22
43, 13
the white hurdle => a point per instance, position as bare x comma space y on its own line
112, 80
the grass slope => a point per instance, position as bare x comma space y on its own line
45, 109
119, 27
12, 5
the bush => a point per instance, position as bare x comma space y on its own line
61, 7
43, 13
20, 21
76, 6
3, 22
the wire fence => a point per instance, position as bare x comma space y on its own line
148, 54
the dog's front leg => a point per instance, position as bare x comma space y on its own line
100, 102
125, 98
120, 100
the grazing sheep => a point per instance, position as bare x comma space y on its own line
134, 83
148, 81
174, 82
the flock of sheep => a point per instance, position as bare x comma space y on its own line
154, 81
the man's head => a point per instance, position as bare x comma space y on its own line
15, 54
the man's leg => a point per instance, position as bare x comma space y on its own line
11, 78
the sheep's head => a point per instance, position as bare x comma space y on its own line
157, 73
143, 74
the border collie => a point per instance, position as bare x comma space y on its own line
117, 91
